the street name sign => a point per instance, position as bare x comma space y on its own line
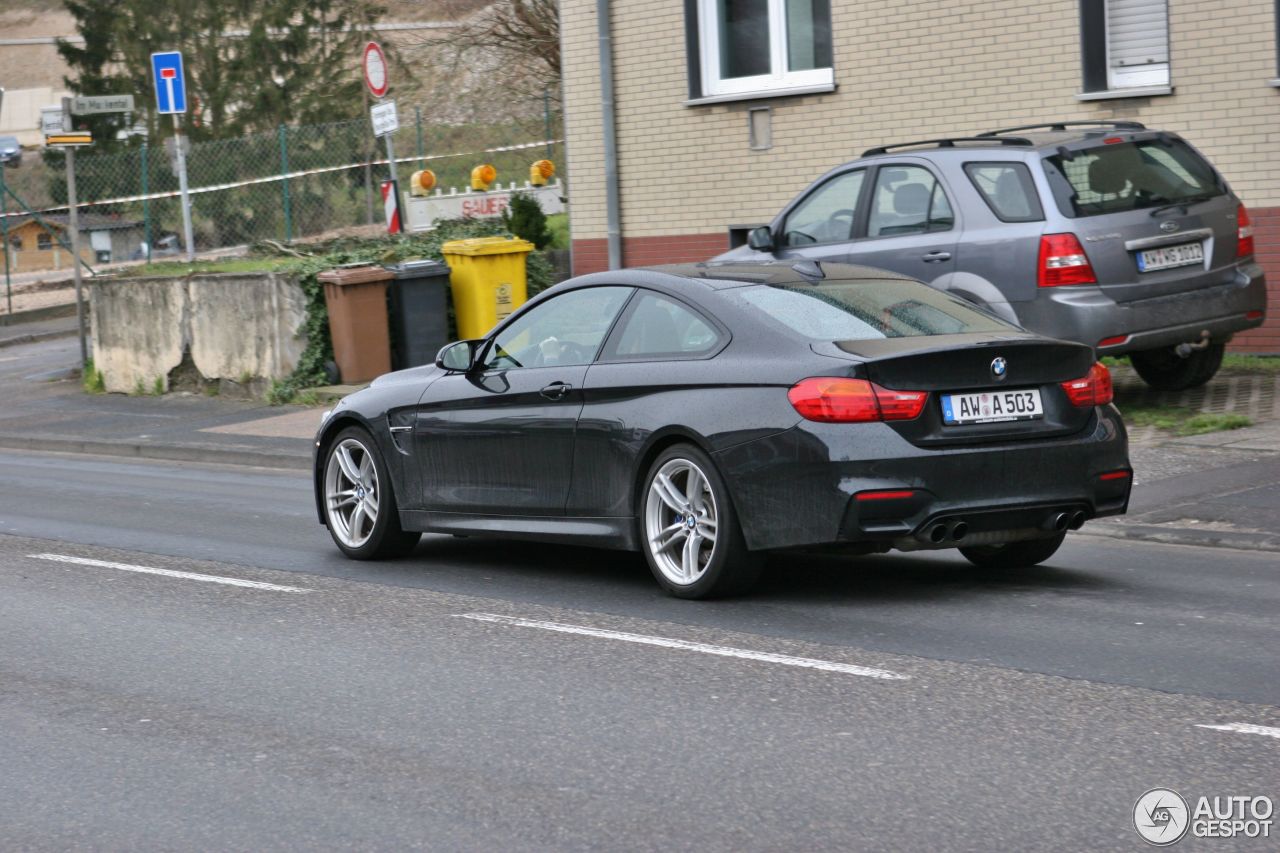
91, 105
384, 118
170, 82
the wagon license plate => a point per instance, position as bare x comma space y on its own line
1170, 256
986, 407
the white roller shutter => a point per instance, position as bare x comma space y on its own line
1137, 32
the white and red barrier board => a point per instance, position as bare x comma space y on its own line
423, 212
390, 207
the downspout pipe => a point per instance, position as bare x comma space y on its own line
611, 194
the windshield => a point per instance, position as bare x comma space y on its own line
1130, 176
865, 310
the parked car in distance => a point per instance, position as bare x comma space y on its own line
707, 413
10, 151
1106, 233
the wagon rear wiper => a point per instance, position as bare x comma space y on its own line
1184, 203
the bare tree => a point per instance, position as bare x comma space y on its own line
518, 37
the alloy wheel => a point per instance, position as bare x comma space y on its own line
680, 521
351, 493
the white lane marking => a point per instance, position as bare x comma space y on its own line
684, 645
168, 573
1244, 728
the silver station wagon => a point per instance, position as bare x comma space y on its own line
1105, 233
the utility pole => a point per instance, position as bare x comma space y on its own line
73, 219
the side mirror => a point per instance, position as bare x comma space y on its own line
761, 239
459, 356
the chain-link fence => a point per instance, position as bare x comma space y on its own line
295, 182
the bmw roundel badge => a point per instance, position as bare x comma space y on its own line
999, 367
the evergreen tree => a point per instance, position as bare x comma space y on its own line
525, 219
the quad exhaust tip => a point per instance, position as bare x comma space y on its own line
944, 530
1077, 520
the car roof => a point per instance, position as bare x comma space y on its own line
722, 275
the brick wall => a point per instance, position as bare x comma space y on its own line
592, 254
1266, 236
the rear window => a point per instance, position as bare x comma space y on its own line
1130, 176
865, 310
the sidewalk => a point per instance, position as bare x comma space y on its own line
1220, 489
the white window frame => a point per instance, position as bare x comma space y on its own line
1136, 76
780, 80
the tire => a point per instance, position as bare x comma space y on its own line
705, 557
1014, 555
1164, 370
359, 500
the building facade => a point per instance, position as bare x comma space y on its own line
725, 109
103, 240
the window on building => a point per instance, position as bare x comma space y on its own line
750, 48
43, 241
15, 242
1124, 44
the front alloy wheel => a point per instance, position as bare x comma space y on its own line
691, 537
359, 502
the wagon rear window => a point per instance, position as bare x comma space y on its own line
866, 310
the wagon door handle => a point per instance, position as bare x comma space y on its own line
935, 257
556, 390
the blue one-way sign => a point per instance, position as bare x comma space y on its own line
170, 82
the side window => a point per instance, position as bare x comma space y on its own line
827, 215
566, 330
658, 327
1007, 189
908, 200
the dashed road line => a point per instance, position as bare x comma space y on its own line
684, 645
1244, 729
168, 573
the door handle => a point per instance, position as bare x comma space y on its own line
935, 257
556, 390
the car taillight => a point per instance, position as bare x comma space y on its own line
1244, 233
1092, 389
1063, 261
835, 399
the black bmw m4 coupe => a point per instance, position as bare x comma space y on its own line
707, 414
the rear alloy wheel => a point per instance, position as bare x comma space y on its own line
1164, 370
691, 537
359, 501
1014, 555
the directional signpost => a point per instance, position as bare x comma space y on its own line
383, 117
171, 99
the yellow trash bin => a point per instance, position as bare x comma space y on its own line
487, 277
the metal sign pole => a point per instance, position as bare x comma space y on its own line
73, 217
391, 165
4, 225
182, 186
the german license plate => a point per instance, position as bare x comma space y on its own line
1170, 256
984, 407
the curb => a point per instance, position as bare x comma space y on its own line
37, 337
1187, 536
51, 312
168, 452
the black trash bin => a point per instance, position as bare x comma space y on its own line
419, 311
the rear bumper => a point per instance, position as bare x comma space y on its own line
801, 487
1088, 315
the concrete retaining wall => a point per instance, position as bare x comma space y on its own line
231, 326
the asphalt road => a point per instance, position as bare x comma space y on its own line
484, 696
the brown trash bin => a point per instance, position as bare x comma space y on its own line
356, 297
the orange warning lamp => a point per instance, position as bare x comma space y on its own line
422, 182
482, 176
541, 172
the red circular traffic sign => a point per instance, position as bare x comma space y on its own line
374, 64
